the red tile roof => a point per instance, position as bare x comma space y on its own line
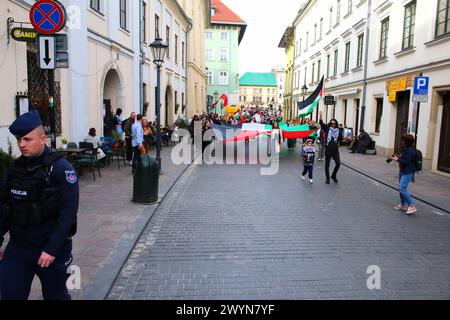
224, 14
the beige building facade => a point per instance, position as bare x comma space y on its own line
105, 55
200, 13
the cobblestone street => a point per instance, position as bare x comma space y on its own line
225, 232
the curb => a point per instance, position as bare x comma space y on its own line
101, 285
395, 188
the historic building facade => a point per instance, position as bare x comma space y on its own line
258, 90
370, 51
222, 55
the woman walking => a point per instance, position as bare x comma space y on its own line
407, 163
276, 141
331, 134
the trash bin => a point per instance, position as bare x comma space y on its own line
146, 181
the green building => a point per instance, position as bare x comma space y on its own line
222, 55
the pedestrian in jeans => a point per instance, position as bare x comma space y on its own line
332, 138
126, 126
308, 154
138, 140
407, 162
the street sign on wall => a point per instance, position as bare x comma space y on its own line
421, 87
24, 34
47, 52
329, 100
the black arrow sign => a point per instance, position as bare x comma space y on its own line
47, 58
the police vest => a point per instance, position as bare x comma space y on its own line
30, 197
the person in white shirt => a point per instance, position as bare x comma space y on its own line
276, 141
96, 141
137, 140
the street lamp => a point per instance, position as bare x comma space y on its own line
159, 50
216, 97
304, 91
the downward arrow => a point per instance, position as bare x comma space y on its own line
47, 58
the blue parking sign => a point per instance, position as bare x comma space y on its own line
421, 85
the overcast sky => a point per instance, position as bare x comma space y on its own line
266, 22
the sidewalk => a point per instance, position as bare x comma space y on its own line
430, 188
109, 224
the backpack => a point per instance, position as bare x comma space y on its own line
419, 161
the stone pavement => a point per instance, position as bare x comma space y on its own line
109, 224
430, 187
225, 232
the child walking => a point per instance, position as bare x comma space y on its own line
308, 154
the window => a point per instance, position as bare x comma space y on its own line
223, 78
300, 47
182, 54
331, 17
209, 35
315, 33
224, 36
268, 91
443, 18
306, 70
307, 40
176, 49
223, 54
156, 26
209, 55
338, 11
328, 65
347, 57
209, 77
321, 29
319, 65
379, 114
359, 58
144, 22
95, 4
350, 6
313, 72
168, 42
384, 38
336, 57
123, 14
409, 25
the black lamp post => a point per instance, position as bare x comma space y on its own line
216, 97
159, 50
304, 91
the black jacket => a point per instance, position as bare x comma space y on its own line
326, 128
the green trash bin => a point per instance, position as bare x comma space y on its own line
146, 181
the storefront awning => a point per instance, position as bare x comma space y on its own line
348, 92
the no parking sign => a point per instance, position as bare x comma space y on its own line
48, 16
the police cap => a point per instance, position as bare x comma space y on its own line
26, 123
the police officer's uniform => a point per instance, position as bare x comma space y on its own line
39, 204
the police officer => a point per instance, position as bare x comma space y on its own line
39, 204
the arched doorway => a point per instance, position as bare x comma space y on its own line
168, 116
111, 100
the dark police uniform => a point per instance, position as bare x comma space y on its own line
39, 205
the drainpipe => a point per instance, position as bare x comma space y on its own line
367, 38
141, 60
189, 29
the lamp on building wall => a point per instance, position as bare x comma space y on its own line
304, 91
159, 50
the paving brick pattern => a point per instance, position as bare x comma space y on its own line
225, 232
105, 215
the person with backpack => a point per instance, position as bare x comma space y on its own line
409, 161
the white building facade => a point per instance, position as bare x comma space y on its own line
370, 51
280, 74
104, 73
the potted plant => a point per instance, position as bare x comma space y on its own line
64, 143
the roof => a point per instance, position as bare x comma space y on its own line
225, 16
287, 38
252, 79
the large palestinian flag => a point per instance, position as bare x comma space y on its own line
252, 130
307, 107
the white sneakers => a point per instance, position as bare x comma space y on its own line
310, 180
